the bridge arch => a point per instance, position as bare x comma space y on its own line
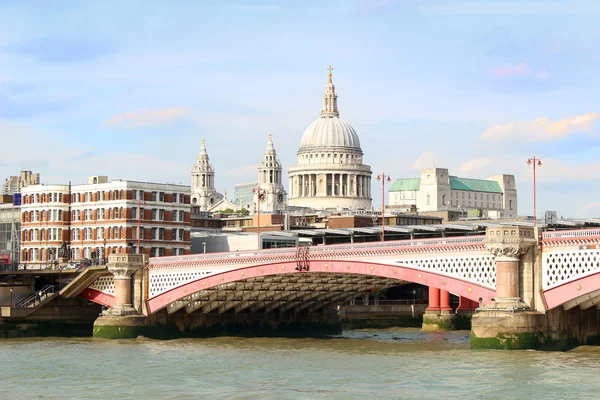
381, 274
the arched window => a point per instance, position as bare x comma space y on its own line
121, 213
428, 199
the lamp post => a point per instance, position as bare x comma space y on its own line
534, 162
382, 177
104, 251
11, 297
260, 195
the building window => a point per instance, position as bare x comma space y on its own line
181, 234
443, 199
161, 233
510, 205
134, 213
428, 200
154, 214
154, 233
174, 234
174, 199
115, 232
180, 215
101, 233
174, 216
154, 196
161, 196
161, 215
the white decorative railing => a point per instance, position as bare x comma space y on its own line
560, 267
479, 269
571, 234
104, 284
448, 241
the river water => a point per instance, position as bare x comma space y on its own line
368, 364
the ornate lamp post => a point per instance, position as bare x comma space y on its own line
383, 178
11, 297
260, 195
104, 252
534, 162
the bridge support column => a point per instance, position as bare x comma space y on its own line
507, 322
123, 319
439, 315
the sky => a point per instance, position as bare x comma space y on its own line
129, 89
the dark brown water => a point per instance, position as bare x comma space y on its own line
389, 364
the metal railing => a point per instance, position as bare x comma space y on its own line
38, 297
64, 282
570, 234
450, 241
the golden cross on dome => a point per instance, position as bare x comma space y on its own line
330, 69
202, 141
269, 136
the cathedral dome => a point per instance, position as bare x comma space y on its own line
329, 132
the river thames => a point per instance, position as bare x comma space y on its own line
373, 364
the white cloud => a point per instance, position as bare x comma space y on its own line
542, 129
522, 70
474, 165
148, 118
425, 160
558, 170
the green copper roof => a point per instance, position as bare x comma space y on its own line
406, 184
475, 185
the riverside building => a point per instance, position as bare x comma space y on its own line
438, 191
90, 221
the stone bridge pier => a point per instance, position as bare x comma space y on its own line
126, 317
517, 317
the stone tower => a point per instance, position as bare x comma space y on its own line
203, 181
270, 181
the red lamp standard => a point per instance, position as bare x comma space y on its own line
534, 162
383, 178
260, 195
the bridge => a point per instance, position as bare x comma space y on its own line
520, 279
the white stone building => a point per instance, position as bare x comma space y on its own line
273, 195
436, 190
204, 193
330, 172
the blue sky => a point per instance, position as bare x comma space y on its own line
129, 89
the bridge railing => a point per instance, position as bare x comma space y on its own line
450, 241
570, 234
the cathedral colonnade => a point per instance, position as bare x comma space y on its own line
329, 184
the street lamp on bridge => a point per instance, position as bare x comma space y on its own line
383, 178
534, 162
260, 196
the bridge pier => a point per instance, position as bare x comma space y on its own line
439, 316
508, 322
124, 320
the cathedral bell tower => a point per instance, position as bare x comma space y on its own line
203, 181
269, 181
